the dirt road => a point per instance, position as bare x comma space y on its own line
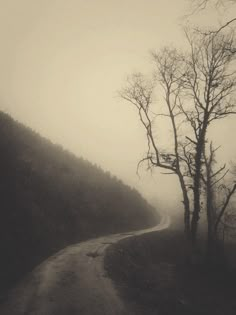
72, 282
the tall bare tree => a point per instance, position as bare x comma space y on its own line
198, 89
209, 84
139, 92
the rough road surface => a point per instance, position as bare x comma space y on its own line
72, 282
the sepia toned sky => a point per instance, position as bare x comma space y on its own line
63, 61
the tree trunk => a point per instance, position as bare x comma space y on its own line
187, 227
196, 195
187, 219
209, 211
200, 147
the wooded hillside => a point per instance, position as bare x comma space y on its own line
50, 198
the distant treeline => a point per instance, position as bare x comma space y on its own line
49, 198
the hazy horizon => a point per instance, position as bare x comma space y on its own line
62, 65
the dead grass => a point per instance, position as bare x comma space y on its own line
153, 278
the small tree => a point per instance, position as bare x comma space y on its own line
216, 206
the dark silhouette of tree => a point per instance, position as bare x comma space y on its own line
198, 89
215, 186
139, 92
210, 84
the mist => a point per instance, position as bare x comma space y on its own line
118, 157
63, 63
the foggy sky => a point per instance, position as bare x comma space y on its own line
62, 63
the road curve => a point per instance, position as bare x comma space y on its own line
72, 282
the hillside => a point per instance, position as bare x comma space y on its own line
50, 198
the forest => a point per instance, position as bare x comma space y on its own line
50, 198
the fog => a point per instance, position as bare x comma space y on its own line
62, 63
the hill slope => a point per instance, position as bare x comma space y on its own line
49, 198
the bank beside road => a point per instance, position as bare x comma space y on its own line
153, 277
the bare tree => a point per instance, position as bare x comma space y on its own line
228, 194
215, 207
209, 85
199, 89
140, 93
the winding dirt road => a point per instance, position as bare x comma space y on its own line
72, 282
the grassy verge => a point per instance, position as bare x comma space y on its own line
152, 277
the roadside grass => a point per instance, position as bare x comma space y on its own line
152, 277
